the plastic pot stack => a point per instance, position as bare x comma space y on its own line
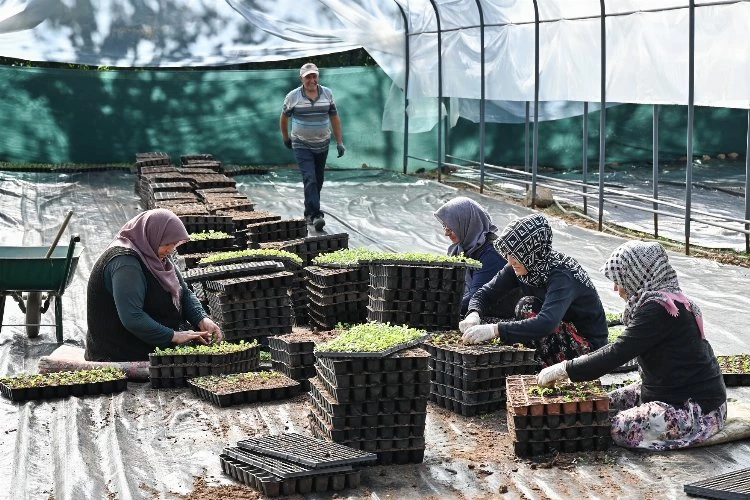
470, 380
420, 295
336, 295
293, 358
377, 405
311, 246
541, 424
275, 230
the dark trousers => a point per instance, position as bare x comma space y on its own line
312, 165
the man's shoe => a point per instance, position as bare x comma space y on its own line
319, 222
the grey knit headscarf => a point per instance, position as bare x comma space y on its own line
469, 221
529, 240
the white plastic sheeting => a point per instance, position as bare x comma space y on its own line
647, 46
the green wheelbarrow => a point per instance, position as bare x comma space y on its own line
33, 279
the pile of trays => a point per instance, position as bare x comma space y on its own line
252, 307
311, 246
293, 356
197, 277
373, 404
202, 161
201, 223
292, 464
336, 295
243, 219
244, 388
173, 370
419, 295
470, 379
275, 230
564, 419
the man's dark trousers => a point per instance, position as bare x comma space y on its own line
312, 166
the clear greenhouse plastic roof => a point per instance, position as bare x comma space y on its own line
647, 46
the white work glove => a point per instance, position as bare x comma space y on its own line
472, 319
548, 376
480, 333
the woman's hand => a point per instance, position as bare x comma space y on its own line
189, 336
471, 320
480, 333
552, 374
208, 325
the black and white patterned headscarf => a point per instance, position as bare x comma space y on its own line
643, 270
529, 240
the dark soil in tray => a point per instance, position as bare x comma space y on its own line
224, 384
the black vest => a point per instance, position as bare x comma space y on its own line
107, 338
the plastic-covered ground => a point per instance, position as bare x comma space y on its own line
147, 443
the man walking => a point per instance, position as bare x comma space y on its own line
313, 112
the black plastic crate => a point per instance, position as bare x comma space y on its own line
308, 451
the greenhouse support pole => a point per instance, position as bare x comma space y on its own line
406, 88
535, 151
526, 136
482, 87
691, 111
440, 90
585, 156
656, 169
747, 184
603, 112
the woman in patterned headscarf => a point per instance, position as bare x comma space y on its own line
561, 314
472, 233
681, 400
137, 300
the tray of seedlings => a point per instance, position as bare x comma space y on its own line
372, 401
79, 383
470, 379
614, 333
172, 367
292, 464
566, 418
735, 369
310, 247
200, 223
207, 241
244, 388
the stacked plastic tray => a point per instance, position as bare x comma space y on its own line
311, 246
541, 425
275, 230
253, 306
470, 380
200, 223
377, 405
230, 390
243, 219
293, 358
197, 277
173, 370
292, 464
421, 296
336, 295
297, 290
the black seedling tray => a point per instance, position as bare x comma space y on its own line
63, 391
248, 396
251, 353
536, 448
224, 271
279, 467
390, 420
426, 321
402, 433
328, 299
300, 373
273, 486
364, 379
416, 359
369, 408
376, 392
198, 370
381, 354
330, 276
290, 346
483, 383
466, 409
469, 397
481, 355
293, 360
733, 485
232, 286
314, 453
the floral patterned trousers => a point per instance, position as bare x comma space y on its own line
660, 426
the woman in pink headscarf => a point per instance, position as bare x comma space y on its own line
137, 299
681, 399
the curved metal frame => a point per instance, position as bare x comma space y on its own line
535, 150
440, 88
602, 111
406, 87
482, 99
690, 119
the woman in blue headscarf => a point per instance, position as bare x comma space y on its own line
472, 234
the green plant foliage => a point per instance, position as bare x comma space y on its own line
265, 356
63, 378
358, 256
371, 337
569, 392
211, 381
209, 235
613, 317
220, 348
614, 333
264, 252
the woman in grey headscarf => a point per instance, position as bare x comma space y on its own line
560, 315
681, 399
137, 300
472, 233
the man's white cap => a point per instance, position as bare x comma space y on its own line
308, 68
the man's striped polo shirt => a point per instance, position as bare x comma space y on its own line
311, 123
